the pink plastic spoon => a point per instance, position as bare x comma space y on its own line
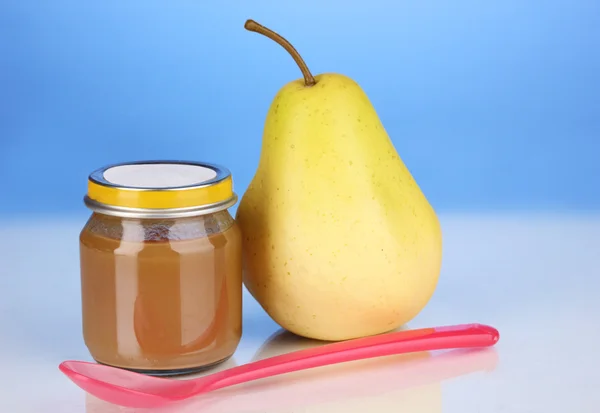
131, 389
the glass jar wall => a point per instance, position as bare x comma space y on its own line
161, 295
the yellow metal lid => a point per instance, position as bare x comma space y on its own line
157, 189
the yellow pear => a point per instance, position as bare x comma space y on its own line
339, 240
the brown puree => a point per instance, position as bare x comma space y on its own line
161, 295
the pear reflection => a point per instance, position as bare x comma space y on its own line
410, 382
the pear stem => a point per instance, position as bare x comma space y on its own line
253, 26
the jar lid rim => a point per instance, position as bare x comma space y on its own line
159, 185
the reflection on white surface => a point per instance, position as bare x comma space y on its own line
409, 382
535, 278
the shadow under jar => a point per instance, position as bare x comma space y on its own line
161, 271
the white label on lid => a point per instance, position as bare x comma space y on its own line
159, 175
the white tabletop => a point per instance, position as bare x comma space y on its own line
534, 277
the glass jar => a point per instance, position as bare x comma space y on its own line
161, 271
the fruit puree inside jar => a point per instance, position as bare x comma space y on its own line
161, 295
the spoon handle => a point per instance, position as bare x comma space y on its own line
426, 339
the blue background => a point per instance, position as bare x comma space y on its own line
492, 105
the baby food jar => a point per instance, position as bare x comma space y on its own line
161, 271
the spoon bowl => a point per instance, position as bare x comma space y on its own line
132, 389
126, 388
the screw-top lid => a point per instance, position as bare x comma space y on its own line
158, 189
